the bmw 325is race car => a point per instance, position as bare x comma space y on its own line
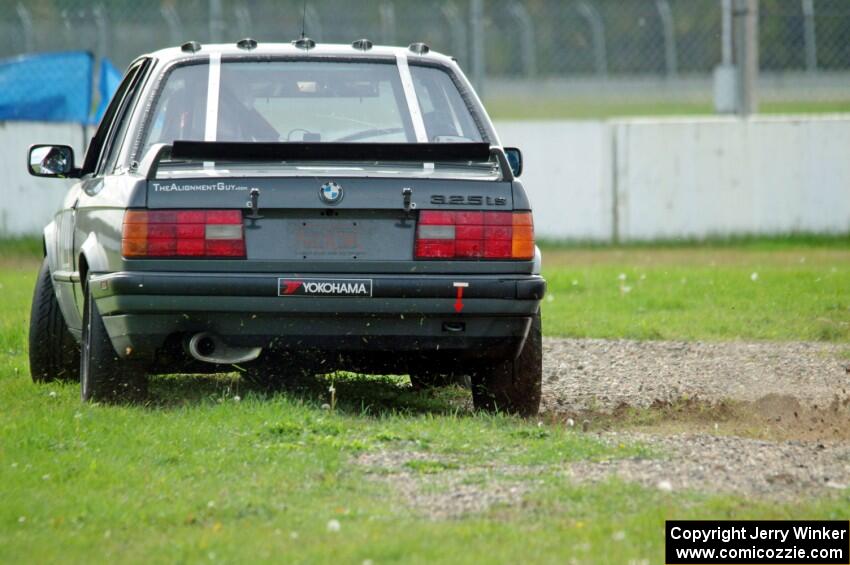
288, 208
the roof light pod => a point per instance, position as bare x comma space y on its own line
248, 44
304, 43
362, 44
419, 48
190, 47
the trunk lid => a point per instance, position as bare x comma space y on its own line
326, 222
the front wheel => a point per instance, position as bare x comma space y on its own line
103, 375
513, 385
53, 352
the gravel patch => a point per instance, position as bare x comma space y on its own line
717, 464
804, 386
597, 374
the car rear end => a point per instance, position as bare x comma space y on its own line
392, 268
378, 240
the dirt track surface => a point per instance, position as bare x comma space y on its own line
782, 470
767, 421
597, 374
770, 420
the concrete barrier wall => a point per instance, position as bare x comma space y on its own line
28, 203
622, 180
698, 178
644, 179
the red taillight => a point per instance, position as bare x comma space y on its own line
474, 235
183, 233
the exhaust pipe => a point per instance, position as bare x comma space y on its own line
209, 348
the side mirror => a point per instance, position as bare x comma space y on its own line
514, 156
55, 161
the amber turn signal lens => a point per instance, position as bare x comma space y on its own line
522, 243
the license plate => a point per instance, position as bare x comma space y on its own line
329, 238
298, 286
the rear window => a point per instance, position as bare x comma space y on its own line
444, 112
315, 101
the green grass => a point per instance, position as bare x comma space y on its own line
781, 242
199, 475
560, 109
216, 475
21, 247
762, 291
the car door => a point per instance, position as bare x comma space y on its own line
62, 258
99, 162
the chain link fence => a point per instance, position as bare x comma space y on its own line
570, 52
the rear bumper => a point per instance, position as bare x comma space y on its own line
411, 314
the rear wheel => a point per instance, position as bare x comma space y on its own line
513, 385
103, 375
54, 353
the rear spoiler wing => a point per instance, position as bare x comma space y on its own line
301, 151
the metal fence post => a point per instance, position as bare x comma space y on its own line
526, 26
476, 24
216, 21
67, 27
312, 22
172, 21
102, 25
458, 30
243, 20
386, 12
809, 35
665, 13
26, 27
726, 32
597, 32
725, 74
746, 54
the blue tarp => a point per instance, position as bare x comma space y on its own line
109, 79
54, 87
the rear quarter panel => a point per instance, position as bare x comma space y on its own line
97, 229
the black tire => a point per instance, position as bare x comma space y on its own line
514, 385
103, 375
54, 353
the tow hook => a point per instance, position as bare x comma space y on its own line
407, 195
254, 204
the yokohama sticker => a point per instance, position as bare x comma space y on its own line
324, 287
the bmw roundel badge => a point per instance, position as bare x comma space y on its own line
330, 193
